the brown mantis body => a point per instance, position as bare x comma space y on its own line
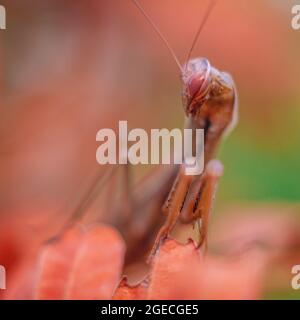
210, 103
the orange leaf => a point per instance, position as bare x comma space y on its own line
169, 263
56, 263
82, 264
127, 292
179, 272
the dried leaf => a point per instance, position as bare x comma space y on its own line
127, 292
179, 272
81, 265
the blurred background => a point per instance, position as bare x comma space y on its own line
71, 67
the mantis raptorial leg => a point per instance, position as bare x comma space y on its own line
201, 191
205, 198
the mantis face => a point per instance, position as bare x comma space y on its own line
205, 85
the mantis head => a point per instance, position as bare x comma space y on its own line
203, 83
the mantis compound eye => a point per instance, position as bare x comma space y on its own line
196, 83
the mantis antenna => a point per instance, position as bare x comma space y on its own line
202, 24
161, 36
144, 13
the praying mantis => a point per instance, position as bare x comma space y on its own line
210, 103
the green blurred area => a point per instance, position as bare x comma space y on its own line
261, 169
283, 295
